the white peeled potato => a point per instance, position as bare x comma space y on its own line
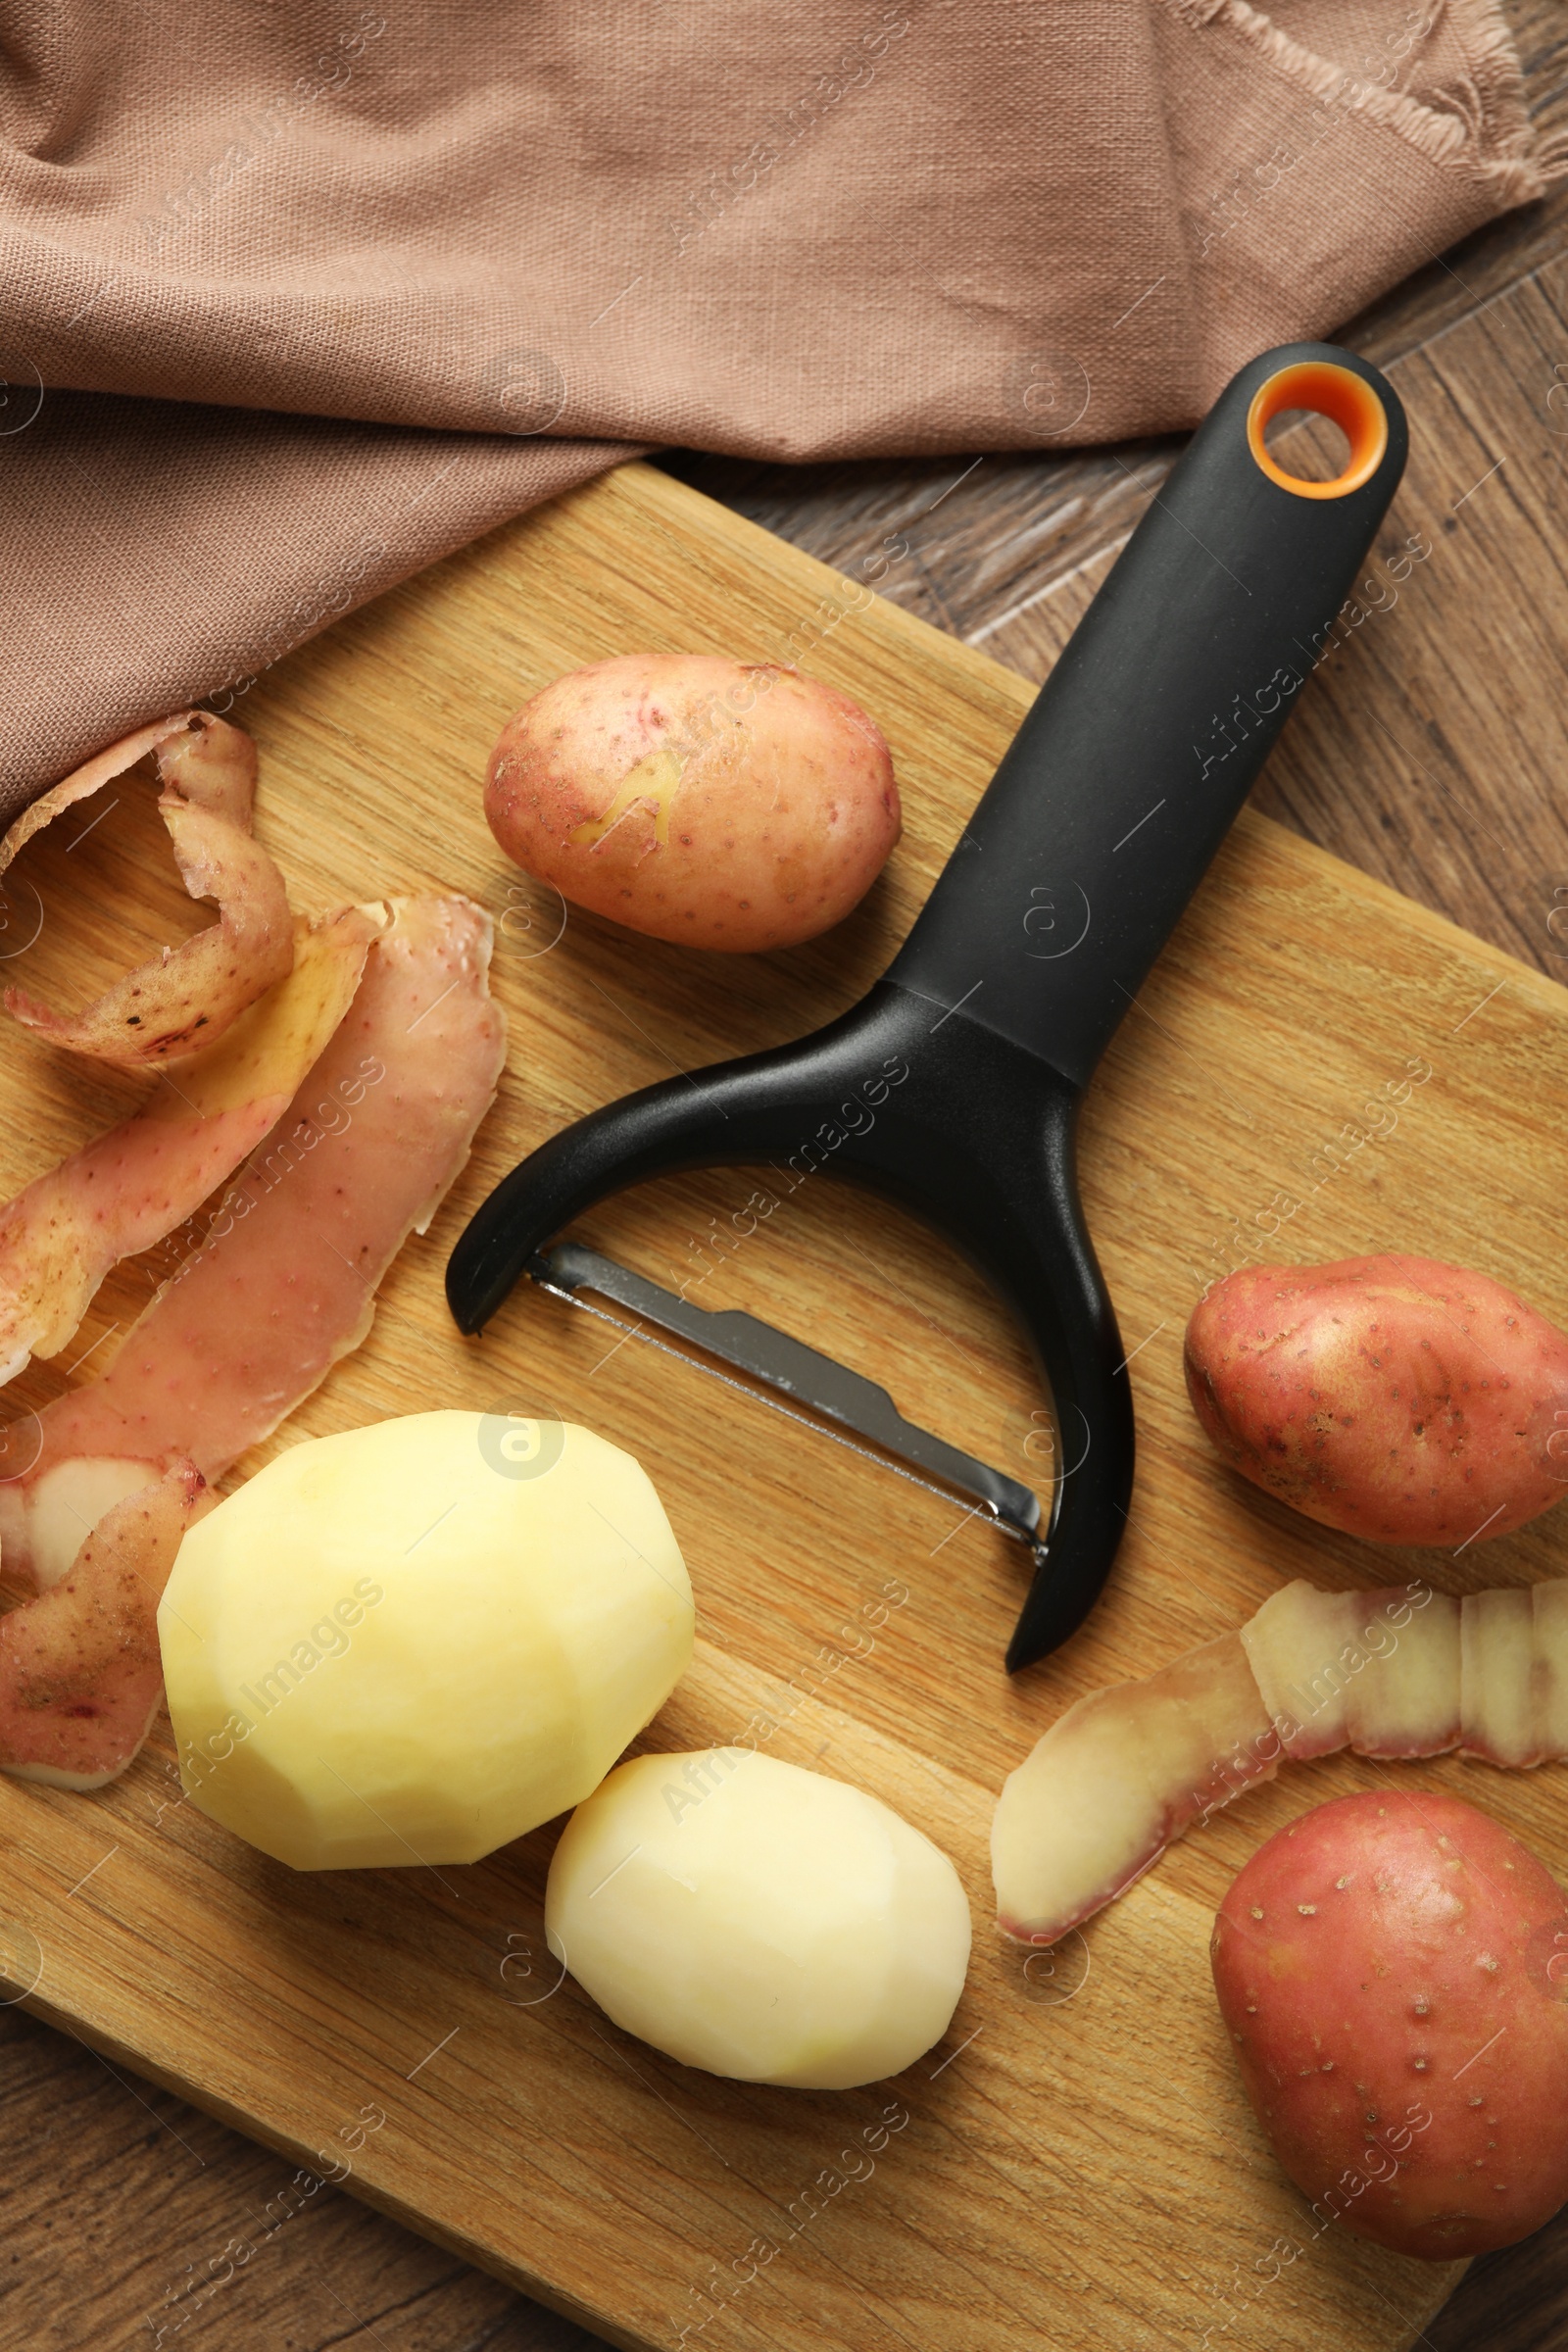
759, 1921
420, 1639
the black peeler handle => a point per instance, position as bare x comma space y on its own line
1147, 736
954, 1085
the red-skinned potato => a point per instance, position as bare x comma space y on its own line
720, 803
1394, 1398
1388, 1967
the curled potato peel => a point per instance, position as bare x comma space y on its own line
282, 1281
1397, 1673
174, 1005
127, 1188
80, 1676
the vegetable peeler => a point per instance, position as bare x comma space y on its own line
953, 1085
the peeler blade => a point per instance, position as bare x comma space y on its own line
803, 1374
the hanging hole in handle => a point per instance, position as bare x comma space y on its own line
1347, 400
1308, 445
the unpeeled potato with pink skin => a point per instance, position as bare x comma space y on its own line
1393, 1397
722, 804
1390, 1972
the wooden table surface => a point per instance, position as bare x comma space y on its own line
109, 2188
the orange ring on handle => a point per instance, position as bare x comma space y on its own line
1346, 399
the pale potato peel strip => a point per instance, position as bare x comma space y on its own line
1393, 1674
129, 1188
80, 1673
284, 1285
174, 1005
1118, 1778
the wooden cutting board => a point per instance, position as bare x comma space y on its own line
1076, 2165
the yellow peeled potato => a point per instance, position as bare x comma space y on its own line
420, 1639
759, 1921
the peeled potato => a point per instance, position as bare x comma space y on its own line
759, 1921
720, 803
417, 1641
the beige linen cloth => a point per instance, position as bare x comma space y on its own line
297, 298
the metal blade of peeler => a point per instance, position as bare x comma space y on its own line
786, 1365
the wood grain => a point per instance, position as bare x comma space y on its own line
537, 2139
335, 2272
996, 544
114, 2187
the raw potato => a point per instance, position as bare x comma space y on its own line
759, 1921
1389, 1970
1393, 1397
417, 1641
720, 803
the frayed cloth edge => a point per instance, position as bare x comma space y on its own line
1484, 129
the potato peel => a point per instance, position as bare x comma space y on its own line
1396, 1673
127, 1188
176, 1004
80, 1673
283, 1283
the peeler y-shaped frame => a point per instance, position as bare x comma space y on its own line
953, 1085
